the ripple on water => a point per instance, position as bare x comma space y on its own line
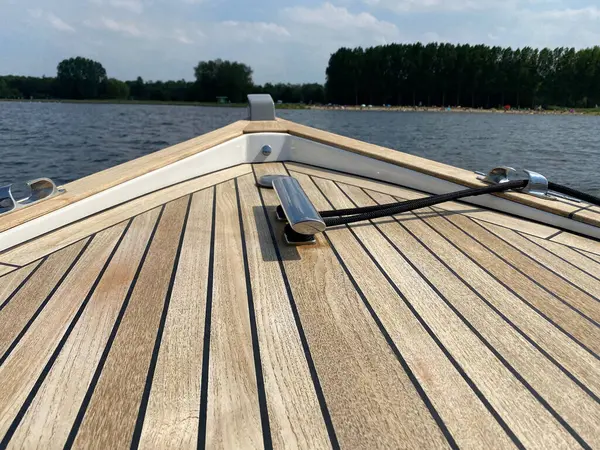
69, 141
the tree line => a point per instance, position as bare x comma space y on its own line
395, 74
84, 79
465, 75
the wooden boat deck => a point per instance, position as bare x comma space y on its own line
180, 319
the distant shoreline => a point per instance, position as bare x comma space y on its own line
150, 102
549, 112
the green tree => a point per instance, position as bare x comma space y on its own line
81, 78
117, 89
223, 78
477, 76
137, 89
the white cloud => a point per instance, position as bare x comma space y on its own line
59, 24
106, 23
182, 37
56, 22
338, 18
250, 31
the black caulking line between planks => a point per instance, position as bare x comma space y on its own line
45, 302
93, 383
203, 416
309, 359
260, 382
572, 377
506, 364
46, 370
23, 283
139, 423
428, 329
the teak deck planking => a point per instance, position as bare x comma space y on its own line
188, 322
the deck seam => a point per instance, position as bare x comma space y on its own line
139, 423
409, 373
202, 419
530, 278
94, 381
560, 257
75, 242
38, 311
407, 370
424, 324
549, 238
10, 265
525, 336
582, 251
7, 250
543, 264
260, 382
582, 345
46, 370
23, 283
305, 347
505, 363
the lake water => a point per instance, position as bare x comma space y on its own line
69, 141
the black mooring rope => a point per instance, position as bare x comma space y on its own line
332, 218
573, 193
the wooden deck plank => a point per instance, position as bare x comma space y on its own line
591, 255
265, 126
21, 307
515, 346
357, 369
560, 313
579, 242
462, 411
55, 240
580, 259
408, 194
110, 417
549, 260
49, 419
25, 365
171, 419
233, 417
400, 334
295, 417
100, 181
572, 296
558, 345
588, 215
5, 270
10, 283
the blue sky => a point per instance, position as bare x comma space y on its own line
285, 40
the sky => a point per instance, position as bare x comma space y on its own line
282, 40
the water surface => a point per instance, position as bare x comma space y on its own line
69, 141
